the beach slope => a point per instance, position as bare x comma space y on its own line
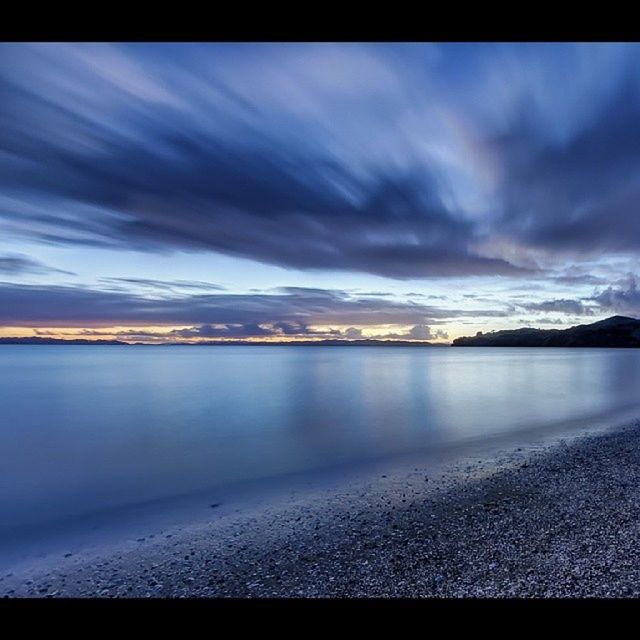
561, 520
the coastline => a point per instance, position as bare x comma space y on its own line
554, 518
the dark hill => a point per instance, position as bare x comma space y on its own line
617, 331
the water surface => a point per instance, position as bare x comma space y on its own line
84, 428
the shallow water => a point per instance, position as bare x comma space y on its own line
85, 428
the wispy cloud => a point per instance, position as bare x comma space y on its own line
19, 264
161, 286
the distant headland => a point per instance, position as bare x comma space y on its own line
617, 331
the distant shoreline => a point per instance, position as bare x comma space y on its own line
616, 332
372, 343
224, 343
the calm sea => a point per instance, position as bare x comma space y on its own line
84, 428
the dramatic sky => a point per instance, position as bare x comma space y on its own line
282, 191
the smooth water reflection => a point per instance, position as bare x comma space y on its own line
83, 428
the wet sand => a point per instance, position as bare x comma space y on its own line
560, 518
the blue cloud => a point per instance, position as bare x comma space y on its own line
287, 311
403, 161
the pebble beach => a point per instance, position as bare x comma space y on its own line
559, 520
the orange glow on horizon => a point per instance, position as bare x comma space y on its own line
162, 334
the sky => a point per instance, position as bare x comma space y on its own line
185, 192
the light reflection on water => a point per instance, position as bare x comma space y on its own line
84, 428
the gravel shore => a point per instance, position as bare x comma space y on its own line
554, 521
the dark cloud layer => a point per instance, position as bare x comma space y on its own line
209, 194
581, 194
289, 312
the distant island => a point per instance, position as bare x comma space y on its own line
40, 340
617, 331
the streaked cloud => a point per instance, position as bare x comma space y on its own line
564, 305
155, 285
361, 158
66, 306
